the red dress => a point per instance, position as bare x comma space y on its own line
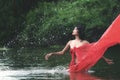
88, 54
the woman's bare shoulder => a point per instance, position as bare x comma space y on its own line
71, 41
85, 41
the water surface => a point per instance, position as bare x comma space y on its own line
29, 64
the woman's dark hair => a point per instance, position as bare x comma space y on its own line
81, 31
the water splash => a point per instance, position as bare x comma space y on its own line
45, 74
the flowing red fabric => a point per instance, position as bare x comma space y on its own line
88, 54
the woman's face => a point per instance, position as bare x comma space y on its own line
75, 31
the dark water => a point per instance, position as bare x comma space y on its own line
29, 64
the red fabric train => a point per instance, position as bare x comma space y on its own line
88, 54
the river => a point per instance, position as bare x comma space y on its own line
29, 64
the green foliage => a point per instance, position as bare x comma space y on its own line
5, 20
12, 14
52, 23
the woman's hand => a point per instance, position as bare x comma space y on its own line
60, 52
109, 61
47, 56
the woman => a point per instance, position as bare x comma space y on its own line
85, 54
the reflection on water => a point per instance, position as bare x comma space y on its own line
44, 74
37, 73
83, 76
28, 64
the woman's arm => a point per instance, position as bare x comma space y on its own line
58, 53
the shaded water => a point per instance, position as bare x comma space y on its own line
29, 64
